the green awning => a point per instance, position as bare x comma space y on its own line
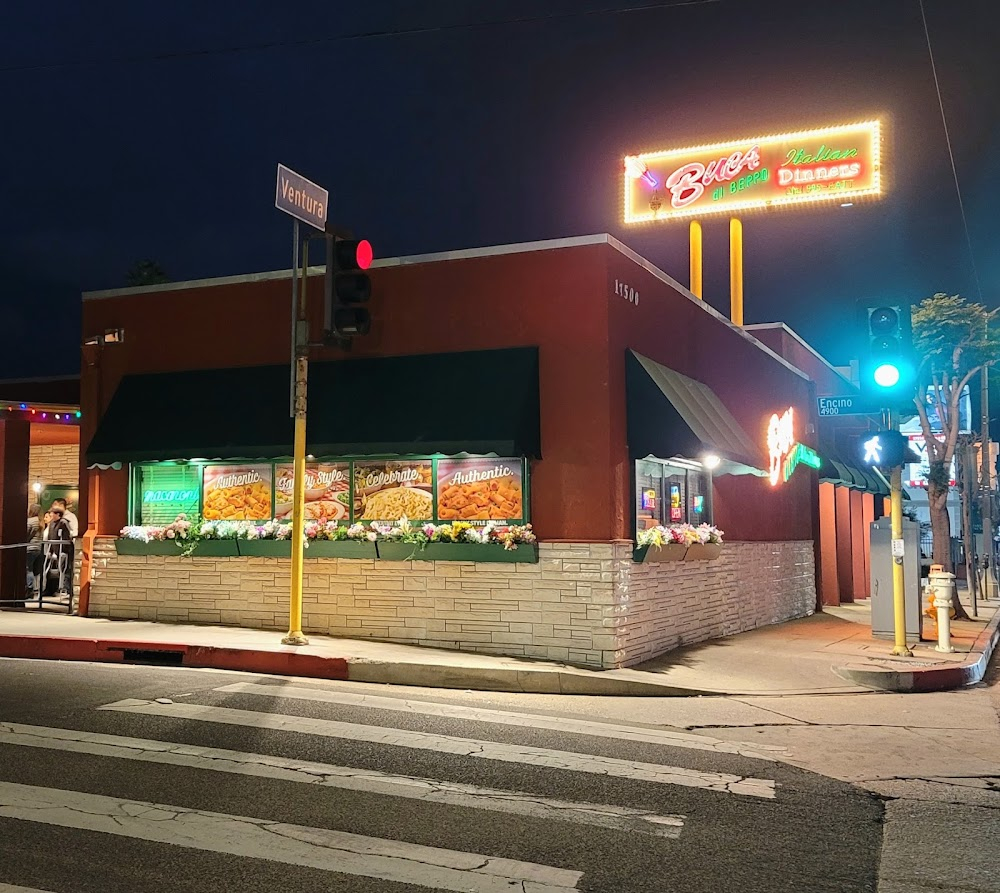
670, 415
477, 402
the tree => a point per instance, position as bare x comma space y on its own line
145, 272
955, 339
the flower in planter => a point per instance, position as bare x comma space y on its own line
137, 533
679, 534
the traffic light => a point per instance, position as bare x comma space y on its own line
885, 449
346, 287
887, 367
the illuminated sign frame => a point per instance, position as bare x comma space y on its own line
724, 177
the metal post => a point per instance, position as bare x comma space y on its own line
989, 583
300, 329
736, 270
295, 315
898, 591
696, 260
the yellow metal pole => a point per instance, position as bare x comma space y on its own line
696, 256
898, 592
736, 270
295, 635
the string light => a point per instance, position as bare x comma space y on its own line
43, 411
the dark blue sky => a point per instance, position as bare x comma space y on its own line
462, 137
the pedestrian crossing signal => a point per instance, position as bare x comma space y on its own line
883, 449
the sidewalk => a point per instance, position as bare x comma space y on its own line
828, 653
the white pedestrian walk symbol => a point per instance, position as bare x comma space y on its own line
873, 450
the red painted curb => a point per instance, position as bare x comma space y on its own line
280, 663
932, 679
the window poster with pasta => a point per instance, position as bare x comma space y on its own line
478, 490
327, 496
237, 493
390, 490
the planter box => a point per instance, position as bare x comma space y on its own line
137, 547
703, 552
264, 548
523, 554
215, 549
340, 549
398, 551
656, 554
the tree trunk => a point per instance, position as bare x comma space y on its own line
967, 474
937, 500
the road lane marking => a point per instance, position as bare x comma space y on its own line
470, 747
428, 790
299, 845
664, 737
10, 888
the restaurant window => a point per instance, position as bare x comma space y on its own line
470, 489
667, 493
167, 490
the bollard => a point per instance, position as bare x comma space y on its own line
942, 586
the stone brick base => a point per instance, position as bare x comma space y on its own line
586, 604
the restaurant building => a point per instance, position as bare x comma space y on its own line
599, 394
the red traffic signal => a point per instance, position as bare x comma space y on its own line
346, 286
353, 254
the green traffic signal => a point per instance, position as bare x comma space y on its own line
886, 375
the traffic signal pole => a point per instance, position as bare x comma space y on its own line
898, 578
301, 359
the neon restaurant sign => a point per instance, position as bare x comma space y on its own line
828, 164
784, 452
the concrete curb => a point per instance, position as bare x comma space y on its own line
281, 663
513, 679
928, 679
292, 662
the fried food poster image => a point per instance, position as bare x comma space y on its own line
237, 493
480, 490
388, 491
327, 492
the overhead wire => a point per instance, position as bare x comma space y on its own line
951, 154
343, 38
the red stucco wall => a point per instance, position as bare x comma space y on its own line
561, 300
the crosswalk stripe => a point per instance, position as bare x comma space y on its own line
10, 888
486, 750
299, 845
427, 790
503, 717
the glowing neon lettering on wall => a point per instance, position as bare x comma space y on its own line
687, 183
780, 440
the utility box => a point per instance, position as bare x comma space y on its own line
883, 614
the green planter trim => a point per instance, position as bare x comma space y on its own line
523, 554
155, 547
341, 549
264, 548
215, 549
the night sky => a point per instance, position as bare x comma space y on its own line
149, 130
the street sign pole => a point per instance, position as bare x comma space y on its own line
898, 579
305, 201
295, 316
295, 635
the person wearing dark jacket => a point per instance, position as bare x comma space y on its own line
35, 559
58, 570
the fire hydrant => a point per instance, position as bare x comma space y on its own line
942, 585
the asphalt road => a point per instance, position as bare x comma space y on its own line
244, 783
